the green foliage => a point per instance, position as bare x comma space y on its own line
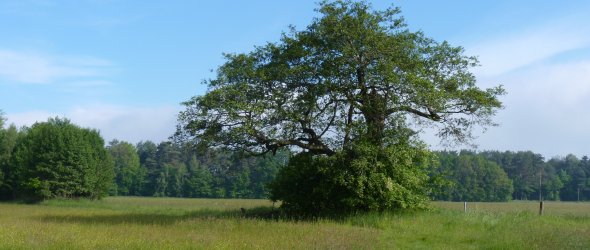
127, 168
574, 176
523, 168
8, 140
355, 72
363, 178
149, 165
59, 159
352, 80
176, 170
486, 176
199, 180
473, 178
166, 176
2, 149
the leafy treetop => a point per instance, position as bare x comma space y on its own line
353, 74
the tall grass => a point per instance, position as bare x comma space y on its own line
444, 229
549, 207
172, 223
166, 223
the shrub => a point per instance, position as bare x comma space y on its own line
57, 159
362, 178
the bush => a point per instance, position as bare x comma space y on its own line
362, 178
57, 159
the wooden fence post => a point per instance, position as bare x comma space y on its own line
465, 206
541, 208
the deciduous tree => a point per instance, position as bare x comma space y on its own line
59, 159
353, 74
355, 78
127, 167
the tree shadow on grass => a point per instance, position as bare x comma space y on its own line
160, 218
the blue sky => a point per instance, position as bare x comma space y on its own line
123, 67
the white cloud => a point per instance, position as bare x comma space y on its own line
508, 52
548, 99
90, 83
87, 87
29, 67
565, 85
546, 110
131, 124
28, 118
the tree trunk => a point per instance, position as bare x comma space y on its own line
374, 113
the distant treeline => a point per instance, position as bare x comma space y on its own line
501, 176
60, 159
169, 169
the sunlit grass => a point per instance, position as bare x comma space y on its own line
549, 207
171, 223
166, 223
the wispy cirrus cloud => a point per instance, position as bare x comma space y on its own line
37, 68
517, 49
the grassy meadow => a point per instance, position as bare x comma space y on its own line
173, 223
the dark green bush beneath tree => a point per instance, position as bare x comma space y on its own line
363, 178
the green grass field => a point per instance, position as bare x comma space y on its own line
169, 223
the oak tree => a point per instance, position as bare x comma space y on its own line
354, 75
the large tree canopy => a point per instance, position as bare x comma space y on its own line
353, 74
349, 93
